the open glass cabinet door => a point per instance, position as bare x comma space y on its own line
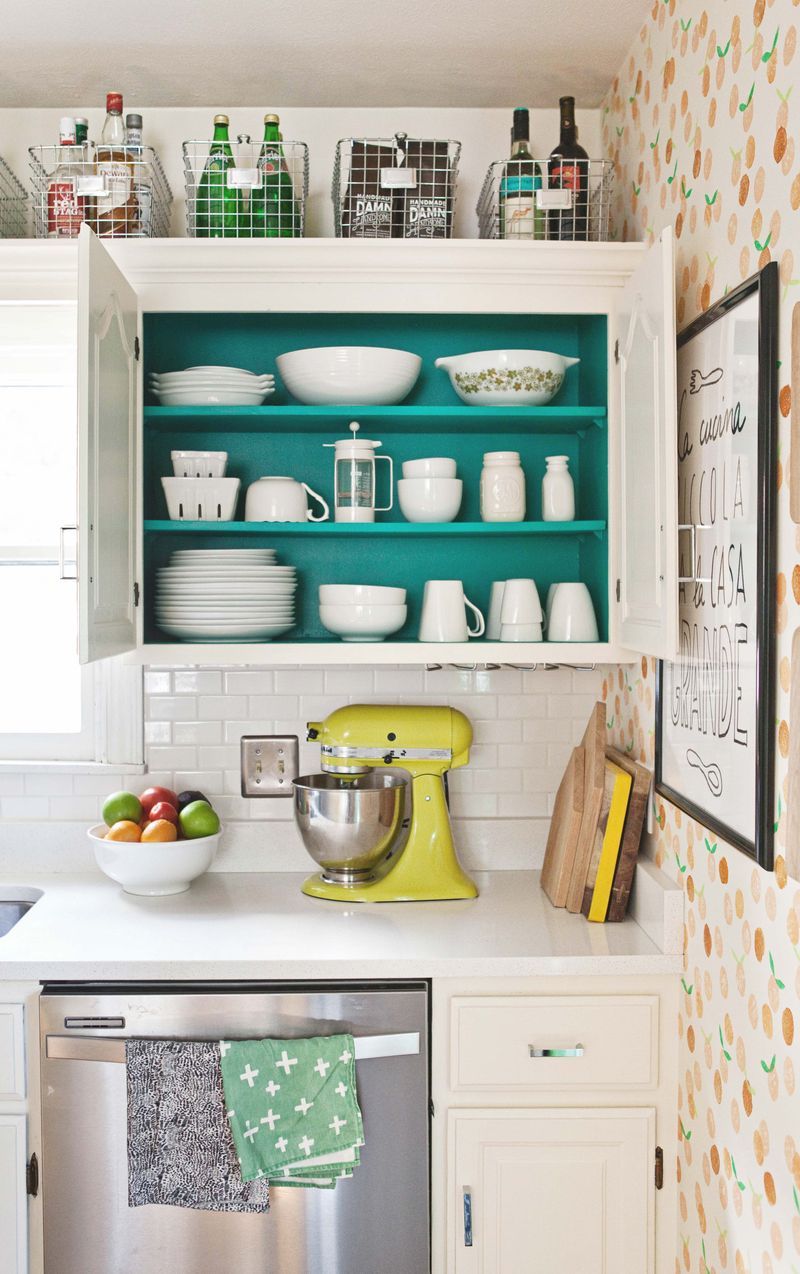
108, 322
647, 587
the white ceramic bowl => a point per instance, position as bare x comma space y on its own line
430, 499
199, 464
363, 594
167, 868
432, 467
201, 499
362, 623
507, 377
356, 375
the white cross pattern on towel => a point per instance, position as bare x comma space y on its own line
341, 1089
281, 1145
250, 1132
249, 1074
304, 1106
322, 1067
272, 1088
305, 1144
270, 1118
224, 1047
286, 1062
337, 1125
346, 1056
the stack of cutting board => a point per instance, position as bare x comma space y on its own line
596, 827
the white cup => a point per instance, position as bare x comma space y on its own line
521, 632
493, 621
430, 499
572, 616
443, 617
277, 499
521, 603
432, 467
551, 592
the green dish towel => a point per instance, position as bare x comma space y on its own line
292, 1108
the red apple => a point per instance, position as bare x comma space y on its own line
163, 809
152, 795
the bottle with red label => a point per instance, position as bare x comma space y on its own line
66, 206
273, 207
568, 170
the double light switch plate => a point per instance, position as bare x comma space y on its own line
269, 763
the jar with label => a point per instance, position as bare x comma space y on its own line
502, 487
558, 491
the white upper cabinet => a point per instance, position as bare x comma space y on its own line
108, 323
647, 592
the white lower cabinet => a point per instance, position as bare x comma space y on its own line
540, 1191
13, 1201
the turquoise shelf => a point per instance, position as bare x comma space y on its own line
434, 419
361, 529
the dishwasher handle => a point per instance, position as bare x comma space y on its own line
94, 1048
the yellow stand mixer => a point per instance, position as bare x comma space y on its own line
352, 817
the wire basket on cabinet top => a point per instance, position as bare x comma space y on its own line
120, 191
524, 199
246, 189
395, 188
13, 205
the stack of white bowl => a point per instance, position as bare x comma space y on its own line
211, 387
429, 490
355, 375
362, 612
225, 595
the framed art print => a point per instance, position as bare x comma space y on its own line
715, 714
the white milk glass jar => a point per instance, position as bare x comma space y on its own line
558, 491
502, 487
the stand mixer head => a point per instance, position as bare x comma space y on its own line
424, 742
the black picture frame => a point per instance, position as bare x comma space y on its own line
766, 285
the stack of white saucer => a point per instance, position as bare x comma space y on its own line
211, 387
225, 595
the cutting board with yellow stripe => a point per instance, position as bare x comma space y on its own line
607, 841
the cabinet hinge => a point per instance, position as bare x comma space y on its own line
136, 593
32, 1176
616, 351
137, 348
619, 590
431, 1108
659, 1168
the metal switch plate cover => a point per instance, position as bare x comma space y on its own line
269, 763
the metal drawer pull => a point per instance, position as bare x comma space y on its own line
467, 1191
91, 1048
577, 1051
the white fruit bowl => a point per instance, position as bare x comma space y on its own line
362, 622
507, 377
353, 375
153, 869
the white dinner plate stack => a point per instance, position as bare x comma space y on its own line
211, 387
225, 595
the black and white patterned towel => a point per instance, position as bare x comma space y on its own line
180, 1149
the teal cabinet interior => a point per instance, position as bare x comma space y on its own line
285, 438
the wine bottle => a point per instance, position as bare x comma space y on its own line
520, 218
219, 208
568, 169
273, 207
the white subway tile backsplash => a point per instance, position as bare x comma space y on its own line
157, 681
546, 729
221, 707
348, 682
522, 805
86, 808
209, 782
172, 707
525, 755
525, 705
223, 756
194, 682
172, 758
24, 807
299, 681
505, 731
12, 784
197, 732
249, 683
270, 706
159, 732
49, 784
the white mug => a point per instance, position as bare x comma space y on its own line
521, 603
443, 617
493, 621
278, 499
572, 616
521, 632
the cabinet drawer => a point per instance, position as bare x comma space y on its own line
12, 1053
545, 1042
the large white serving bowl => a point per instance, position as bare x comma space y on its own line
364, 594
507, 377
355, 375
362, 623
430, 499
151, 870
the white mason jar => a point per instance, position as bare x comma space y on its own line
502, 487
558, 491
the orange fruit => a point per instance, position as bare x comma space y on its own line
124, 830
159, 830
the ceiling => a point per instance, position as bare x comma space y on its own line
321, 53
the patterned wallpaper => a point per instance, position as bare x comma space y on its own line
703, 122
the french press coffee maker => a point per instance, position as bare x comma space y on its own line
354, 478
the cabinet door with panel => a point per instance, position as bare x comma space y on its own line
13, 1200
541, 1191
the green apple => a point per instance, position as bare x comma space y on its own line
198, 819
121, 807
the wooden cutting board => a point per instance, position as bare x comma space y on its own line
594, 778
565, 826
607, 840
632, 834
793, 815
794, 447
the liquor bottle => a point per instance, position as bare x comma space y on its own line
273, 207
219, 208
520, 217
142, 175
568, 169
116, 207
133, 131
66, 208
81, 130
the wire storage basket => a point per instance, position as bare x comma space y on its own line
120, 191
395, 188
523, 199
13, 205
255, 190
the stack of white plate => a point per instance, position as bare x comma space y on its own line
211, 386
225, 595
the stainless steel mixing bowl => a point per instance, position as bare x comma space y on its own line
350, 825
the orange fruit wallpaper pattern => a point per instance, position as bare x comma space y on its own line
703, 124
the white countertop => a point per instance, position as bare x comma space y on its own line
260, 926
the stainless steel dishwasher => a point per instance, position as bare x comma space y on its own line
376, 1223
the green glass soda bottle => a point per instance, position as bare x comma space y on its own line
220, 209
273, 208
